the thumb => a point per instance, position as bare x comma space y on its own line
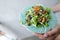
52, 32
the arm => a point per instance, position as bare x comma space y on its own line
56, 8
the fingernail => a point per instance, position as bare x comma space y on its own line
45, 35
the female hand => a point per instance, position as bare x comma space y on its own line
51, 35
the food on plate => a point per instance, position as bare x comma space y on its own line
38, 16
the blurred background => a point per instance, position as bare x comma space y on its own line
9, 17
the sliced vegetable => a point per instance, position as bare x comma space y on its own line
36, 8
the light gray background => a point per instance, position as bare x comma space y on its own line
9, 14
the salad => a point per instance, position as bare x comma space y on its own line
38, 16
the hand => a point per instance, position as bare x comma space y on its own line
56, 8
51, 35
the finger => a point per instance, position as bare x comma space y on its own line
52, 32
45, 35
52, 37
39, 35
58, 37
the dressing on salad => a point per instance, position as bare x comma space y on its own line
38, 16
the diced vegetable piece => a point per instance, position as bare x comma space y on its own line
41, 8
29, 17
43, 19
48, 10
28, 23
36, 13
44, 12
39, 19
36, 8
39, 25
46, 24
